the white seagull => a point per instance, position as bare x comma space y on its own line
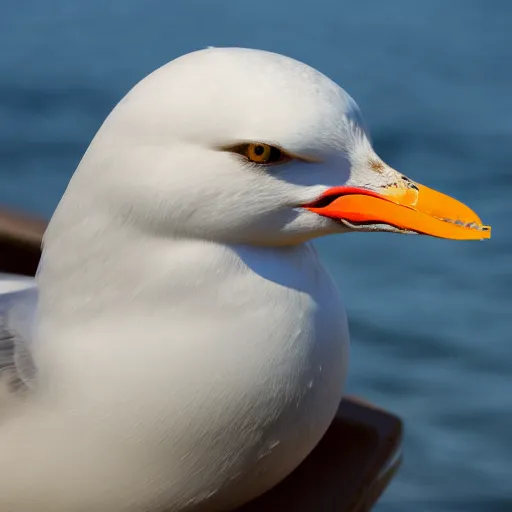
182, 347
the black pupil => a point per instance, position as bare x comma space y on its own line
259, 150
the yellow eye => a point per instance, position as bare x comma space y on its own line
259, 153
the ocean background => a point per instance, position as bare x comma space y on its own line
431, 320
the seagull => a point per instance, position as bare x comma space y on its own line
182, 347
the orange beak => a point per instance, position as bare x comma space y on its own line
407, 207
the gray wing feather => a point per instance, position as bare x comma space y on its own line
18, 300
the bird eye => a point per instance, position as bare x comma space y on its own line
260, 153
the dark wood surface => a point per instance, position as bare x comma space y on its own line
20, 243
347, 471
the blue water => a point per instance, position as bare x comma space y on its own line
431, 320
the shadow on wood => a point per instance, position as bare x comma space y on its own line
347, 471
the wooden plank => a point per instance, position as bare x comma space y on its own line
20, 243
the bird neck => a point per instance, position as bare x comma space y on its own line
100, 266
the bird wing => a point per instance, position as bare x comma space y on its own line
18, 302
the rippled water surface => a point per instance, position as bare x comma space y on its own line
430, 319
